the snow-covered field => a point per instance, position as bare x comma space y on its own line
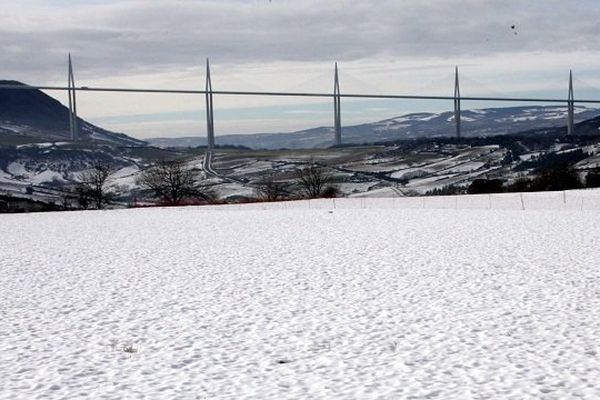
300, 303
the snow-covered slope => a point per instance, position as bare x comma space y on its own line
300, 304
35, 115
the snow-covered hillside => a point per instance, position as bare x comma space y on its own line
373, 303
33, 116
476, 122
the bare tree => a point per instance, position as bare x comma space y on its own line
92, 183
313, 180
173, 182
268, 188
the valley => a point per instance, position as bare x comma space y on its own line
410, 155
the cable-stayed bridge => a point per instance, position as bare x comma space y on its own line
336, 95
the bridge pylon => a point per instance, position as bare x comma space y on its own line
337, 109
571, 107
73, 122
210, 116
457, 103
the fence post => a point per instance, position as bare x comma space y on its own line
522, 202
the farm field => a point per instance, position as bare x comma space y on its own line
203, 303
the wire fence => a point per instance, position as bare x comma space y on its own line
569, 200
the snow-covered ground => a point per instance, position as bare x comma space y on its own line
300, 303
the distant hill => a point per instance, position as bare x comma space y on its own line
33, 116
484, 122
587, 127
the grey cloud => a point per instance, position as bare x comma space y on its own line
155, 36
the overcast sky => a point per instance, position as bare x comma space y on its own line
382, 46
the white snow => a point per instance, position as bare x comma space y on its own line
126, 177
17, 169
233, 189
467, 167
45, 176
255, 167
5, 176
409, 118
529, 156
424, 182
524, 118
16, 128
384, 192
301, 303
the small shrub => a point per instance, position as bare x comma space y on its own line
519, 185
313, 179
129, 349
592, 180
446, 190
479, 186
330, 191
560, 178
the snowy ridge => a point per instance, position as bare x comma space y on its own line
35, 116
477, 122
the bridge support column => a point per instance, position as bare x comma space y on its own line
73, 123
457, 103
210, 117
337, 109
571, 107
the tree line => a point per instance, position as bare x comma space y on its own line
173, 182
558, 178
